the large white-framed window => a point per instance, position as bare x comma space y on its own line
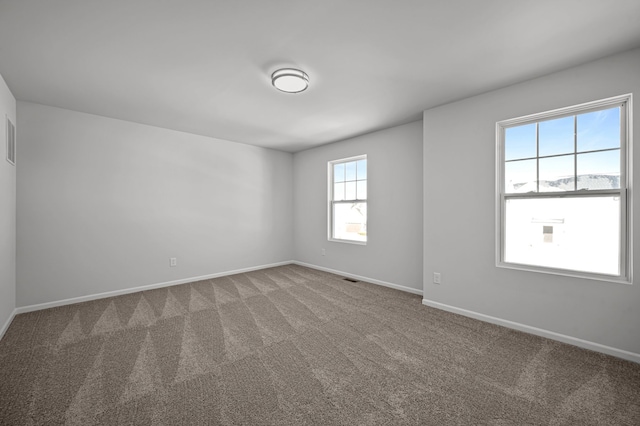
563, 191
348, 200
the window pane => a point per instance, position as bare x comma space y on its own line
350, 221
351, 170
350, 191
556, 136
520, 176
338, 191
362, 169
338, 173
599, 130
557, 174
580, 234
599, 170
362, 190
520, 142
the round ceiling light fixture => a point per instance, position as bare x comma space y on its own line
290, 80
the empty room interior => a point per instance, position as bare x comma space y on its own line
185, 235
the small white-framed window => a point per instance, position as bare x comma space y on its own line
563, 191
11, 142
348, 200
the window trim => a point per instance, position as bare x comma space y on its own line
625, 192
11, 140
331, 202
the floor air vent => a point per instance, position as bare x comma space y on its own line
351, 280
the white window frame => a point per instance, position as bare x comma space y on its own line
11, 141
625, 192
331, 202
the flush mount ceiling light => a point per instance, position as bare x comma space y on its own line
290, 80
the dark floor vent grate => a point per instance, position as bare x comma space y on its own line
351, 280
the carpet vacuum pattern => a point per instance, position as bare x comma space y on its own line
293, 346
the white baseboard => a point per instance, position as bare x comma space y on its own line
619, 353
47, 305
360, 278
7, 323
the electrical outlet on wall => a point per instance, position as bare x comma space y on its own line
173, 261
437, 279
324, 252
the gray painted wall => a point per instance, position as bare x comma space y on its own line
103, 204
459, 207
7, 210
393, 253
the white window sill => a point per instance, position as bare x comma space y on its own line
566, 273
358, 243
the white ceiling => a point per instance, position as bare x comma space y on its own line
203, 66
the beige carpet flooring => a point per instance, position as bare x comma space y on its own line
294, 346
